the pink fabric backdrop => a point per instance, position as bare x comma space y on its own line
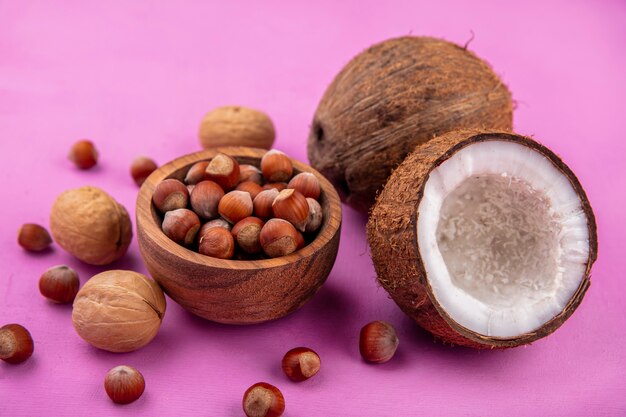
136, 77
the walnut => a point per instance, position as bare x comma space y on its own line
236, 126
91, 225
118, 311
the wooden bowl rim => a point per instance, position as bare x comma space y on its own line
329, 229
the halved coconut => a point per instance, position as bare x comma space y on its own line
486, 239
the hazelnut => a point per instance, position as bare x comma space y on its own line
181, 225
307, 184
91, 225
247, 234
224, 170
33, 237
197, 173
263, 204
118, 311
236, 126
250, 173
59, 284
263, 400
276, 166
205, 197
275, 185
300, 364
300, 242
314, 221
214, 223
292, 206
124, 384
83, 153
235, 206
141, 168
190, 188
170, 194
16, 343
278, 238
378, 342
250, 187
217, 242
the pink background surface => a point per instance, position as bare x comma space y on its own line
137, 78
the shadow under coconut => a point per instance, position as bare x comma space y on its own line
354, 216
460, 355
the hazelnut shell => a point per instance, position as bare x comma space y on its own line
279, 238
91, 225
196, 173
59, 284
170, 194
276, 166
83, 154
224, 170
307, 184
214, 223
300, 364
263, 400
204, 199
278, 186
247, 234
16, 343
251, 173
316, 216
217, 242
250, 187
292, 206
33, 237
263, 204
235, 206
118, 311
141, 168
181, 225
378, 342
124, 384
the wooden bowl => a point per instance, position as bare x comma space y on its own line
234, 291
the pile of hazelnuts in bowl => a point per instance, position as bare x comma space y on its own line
234, 256
225, 209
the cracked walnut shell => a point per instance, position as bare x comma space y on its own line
118, 311
91, 225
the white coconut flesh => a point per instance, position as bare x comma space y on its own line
503, 238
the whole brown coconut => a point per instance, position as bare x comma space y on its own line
91, 225
486, 239
392, 97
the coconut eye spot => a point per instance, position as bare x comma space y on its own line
499, 239
503, 237
318, 131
